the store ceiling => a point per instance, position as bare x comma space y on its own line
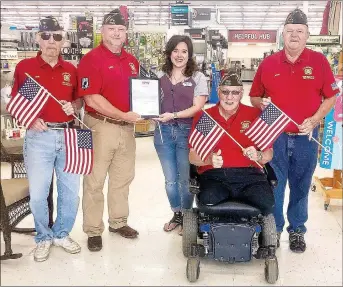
233, 14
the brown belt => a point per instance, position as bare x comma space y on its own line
107, 120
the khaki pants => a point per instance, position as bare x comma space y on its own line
114, 154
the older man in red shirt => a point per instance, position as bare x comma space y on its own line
231, 172
300, 82
104, 75
44, 147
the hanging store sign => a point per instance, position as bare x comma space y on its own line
323, 39
180, 14
9, 55
201, 14
196, 33
252, 36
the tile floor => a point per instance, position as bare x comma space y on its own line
155, 258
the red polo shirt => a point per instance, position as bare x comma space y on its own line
236, 125
296, 88
102, 72
60, 81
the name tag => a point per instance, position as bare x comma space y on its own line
187, 84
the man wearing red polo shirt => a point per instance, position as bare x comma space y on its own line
230, 172
44, 147
300, 82
104, 75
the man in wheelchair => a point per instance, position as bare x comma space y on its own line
234, 214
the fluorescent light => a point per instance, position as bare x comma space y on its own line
49, 13
49, 7
152, 13
147, 18
229, 7
141, 22
255, 13
15, 7
148, 7
231, 13
27, 13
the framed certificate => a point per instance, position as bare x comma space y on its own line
145, 97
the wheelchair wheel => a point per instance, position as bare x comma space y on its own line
193, 269
190, 232
271, 270
269, 235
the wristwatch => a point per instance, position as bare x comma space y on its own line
175, 115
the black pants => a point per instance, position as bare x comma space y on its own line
247, 184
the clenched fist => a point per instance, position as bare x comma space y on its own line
67, 107
265, 102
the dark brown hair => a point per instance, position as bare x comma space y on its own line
191, 66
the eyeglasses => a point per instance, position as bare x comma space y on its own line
233, 93
46, 36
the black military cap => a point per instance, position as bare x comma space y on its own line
231, 79
296, 17
114, 18
49, 23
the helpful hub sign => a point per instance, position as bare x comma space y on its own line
252, 36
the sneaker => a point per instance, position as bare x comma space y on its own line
67, 244
42, 250
297, 241
278, 240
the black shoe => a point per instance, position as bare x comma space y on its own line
297, 241
278, 240
95, 243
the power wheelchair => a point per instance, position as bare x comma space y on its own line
230, 232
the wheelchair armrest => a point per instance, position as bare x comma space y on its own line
271, 176
193, 180
194, 186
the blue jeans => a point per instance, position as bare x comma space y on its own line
45, 152
173, 154
295, 159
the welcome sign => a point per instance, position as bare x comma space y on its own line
332, 135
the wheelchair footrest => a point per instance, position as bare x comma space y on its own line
232, 242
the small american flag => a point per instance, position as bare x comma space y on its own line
205, 136
79, 151
267, 127
28, 103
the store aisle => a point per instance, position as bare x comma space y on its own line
155, 258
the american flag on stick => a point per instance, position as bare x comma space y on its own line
205, 136
27, 104
267, 127
79, 151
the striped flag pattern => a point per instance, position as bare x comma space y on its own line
27, 104
205, 136
267, 127
79, 151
